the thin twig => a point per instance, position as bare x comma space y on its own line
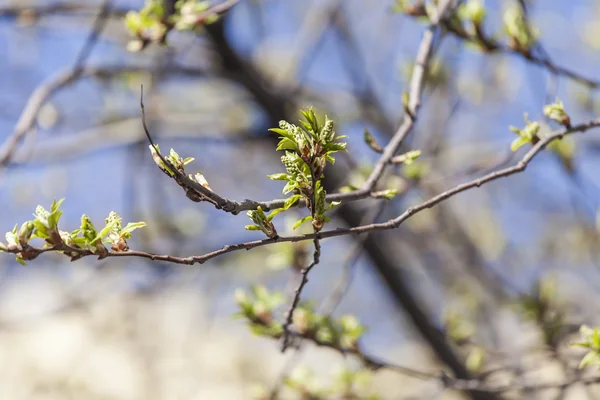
66, 77
492, 46
191, 187
41, 10
304, 272
38, 98
369, 361
475, 385
447, 381
285, 372
416, 90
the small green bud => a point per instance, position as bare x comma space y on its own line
528, 134
472, 10
328, 132
262, 222
406, 158
11, 237
241, 297
301, 320
87, 228
556, 112
371, 142
25, 232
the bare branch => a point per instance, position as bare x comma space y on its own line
447, 381
38, 98
493, 46
40, 10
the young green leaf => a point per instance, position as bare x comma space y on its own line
556, 112
130, 227
303, 220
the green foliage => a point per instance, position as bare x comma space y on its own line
528, 134
262, 222
159, 162
173, 158
564, 148
472, 11
259, 306
146, 25
457, 327
308, 148
350, 330
388, 194
117, 234
343, 333
414, 8
73, 244
47, 221
468, 22
475, 359
312, 141
151, 24
303, 381
371, 142
93, 238
590, 341
416, 170
13, 241
407, 158
348, 384
521, 36
556, 112
173, 161
191, 14
43, 226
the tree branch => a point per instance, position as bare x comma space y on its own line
493, 46
390, 224
38, 98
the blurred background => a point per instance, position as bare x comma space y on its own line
508, 272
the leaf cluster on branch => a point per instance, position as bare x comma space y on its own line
309, 148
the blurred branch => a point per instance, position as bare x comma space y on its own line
40, 10
369, 361
27, 120
285, 372
491, 46
63, 79
121, 131
448, 382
